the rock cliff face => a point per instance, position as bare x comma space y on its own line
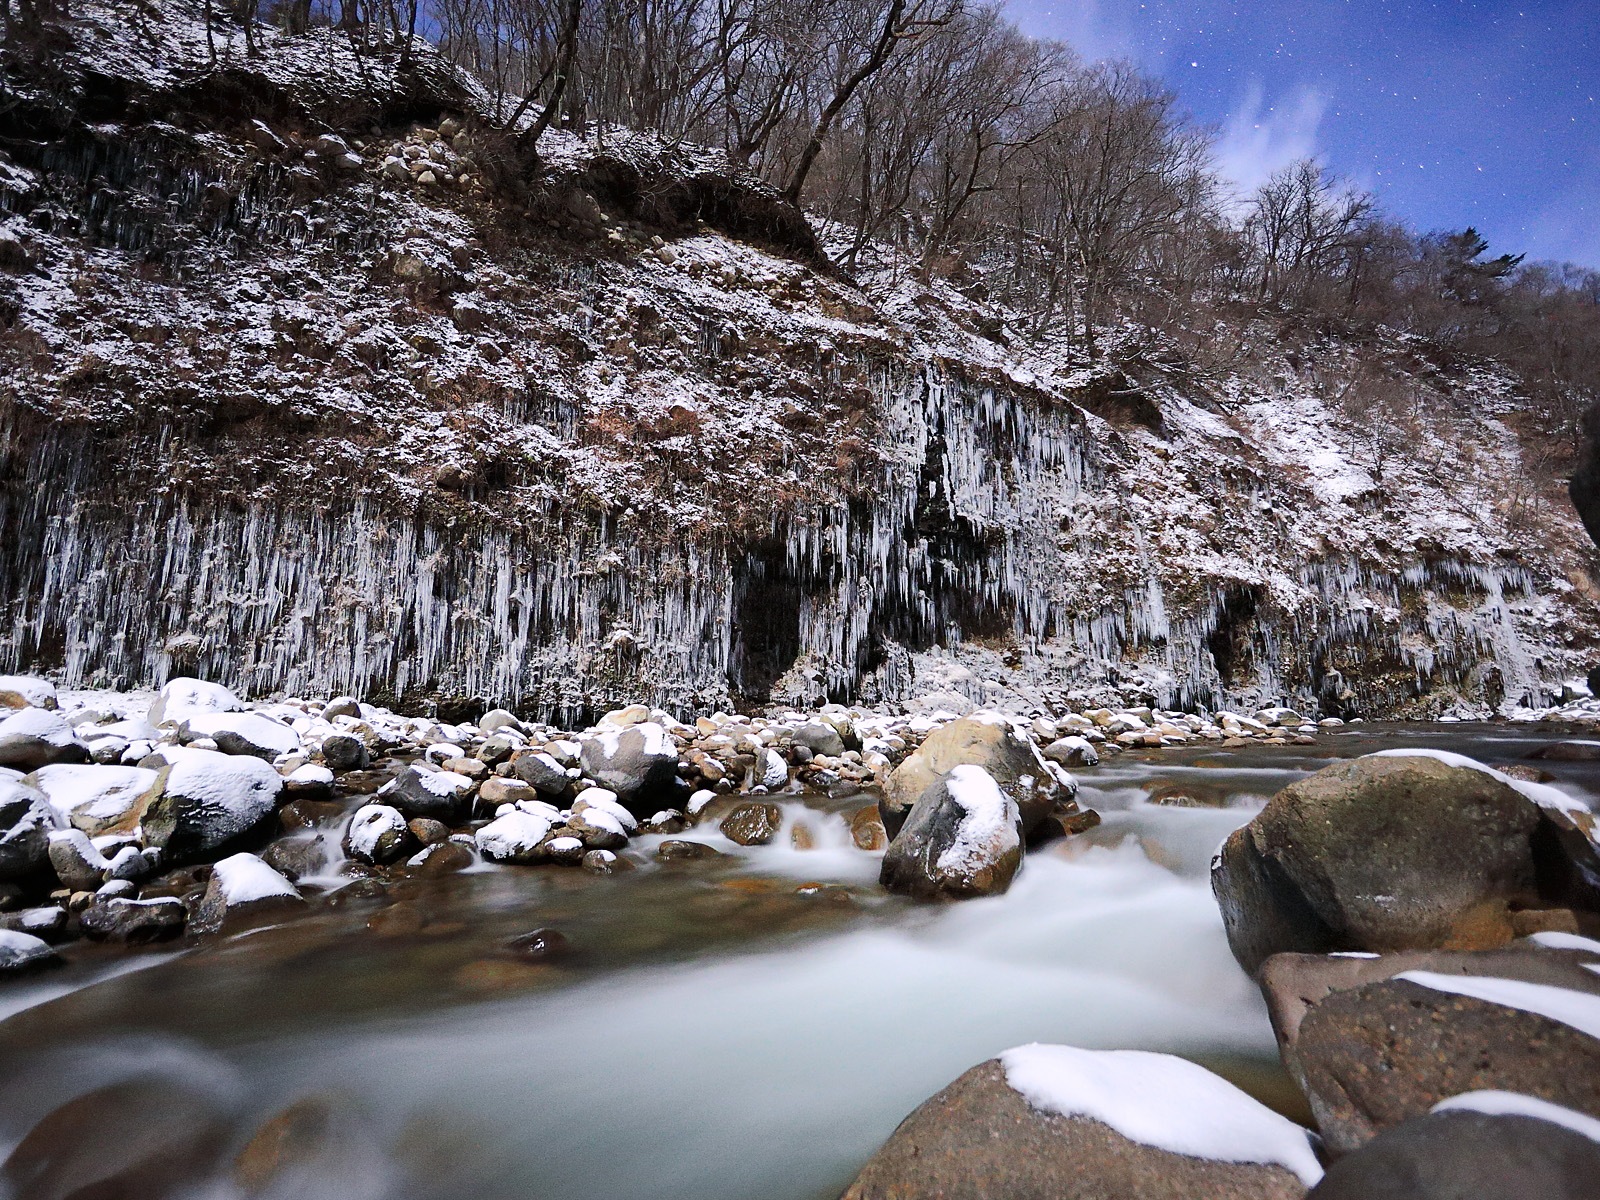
295, 394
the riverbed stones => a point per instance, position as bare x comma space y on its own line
1380, 853
1460, 1154
963, 838
133, 922
980, 1139
209, 799
985, 741
1374, 1042
34, 737
752, 824
26, 821
639, 763
243, 890
419, 792
23, 952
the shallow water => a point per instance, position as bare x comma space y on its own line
749, 1027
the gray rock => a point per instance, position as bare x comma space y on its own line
962, 839
418, 792
1010, 759
344, 752
496, 750
341, 706
639, 763
22, 952
541, 771
819, 738
26, 822
209, 800
499, 718
133, 922
1072, 751
31, 738
1461, 1155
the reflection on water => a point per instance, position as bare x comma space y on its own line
750, 1026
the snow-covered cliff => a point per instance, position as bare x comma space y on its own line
294, 399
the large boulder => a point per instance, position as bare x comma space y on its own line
26, 821
516, 837
33, 737
377, 834
99, 799
210, 799
26, 691
244, 733
1057, 1123
638, 763
242, 890
184, 699
1374, 1042
1395, 852
986, 741
1482, 1146
963, 838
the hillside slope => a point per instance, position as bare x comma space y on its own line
294, 395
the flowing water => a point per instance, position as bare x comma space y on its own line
751, 1026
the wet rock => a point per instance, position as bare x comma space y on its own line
344, 752
294, 1152
1374, 1042
819, 738
23, 952
674, 850
1066, 821
243, 891
308, 782
981, 1138
540, 945
148, 1137
1458, 1154
866, 829
428, 832
517, 837
1569, 752
364, 783
605, 862
377, 834
1010, 759
31, 738
668, 821
441, 858
26, 822
963, 838
639, 763
133, 922
47, 922
26, 691
492, 793
1380, 853
752, 824
419, 792
296, 858
540, 771
564, 848
209, 799
309, 814
1072, 751
399, 920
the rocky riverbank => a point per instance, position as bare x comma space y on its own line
1423, 930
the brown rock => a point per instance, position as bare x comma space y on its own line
427, 831
1011, 759
675, 850
866, 829
285, 1146
979, 1140
752, 824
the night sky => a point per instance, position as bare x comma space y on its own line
1453, 113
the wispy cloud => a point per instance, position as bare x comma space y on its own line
1260, 137
1094, 28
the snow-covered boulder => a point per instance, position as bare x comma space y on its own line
210, 798
598, 829
1070, 1124
244, 733
541, 771
515, 837
75, 860
242, 889
344, 752
33, 737
819, 737
963, 838
26, 821
183, 699
99, 799
1072, 751
639, 763
26, 691
309, 781
21, 952
419, 792
605, 798
377, 834
134, 922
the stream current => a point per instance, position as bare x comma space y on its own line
750, 1026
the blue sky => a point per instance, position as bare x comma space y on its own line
1453, 112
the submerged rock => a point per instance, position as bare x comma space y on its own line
1057, 1123
963, 838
